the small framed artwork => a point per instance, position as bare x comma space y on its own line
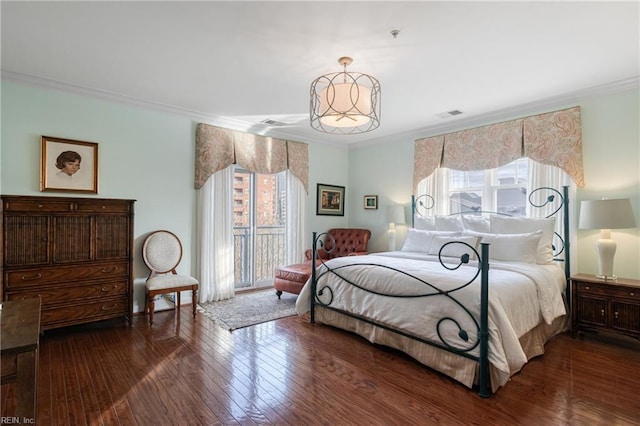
330, 200
68, 165
370, 202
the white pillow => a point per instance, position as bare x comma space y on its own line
453, 250
511, 247
523, 225
417, 240
426, 223
449, 223
476, 223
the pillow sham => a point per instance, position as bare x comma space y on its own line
522, 225
476, 223
424, 223
453, 250
417, 240
511, 247
449, 223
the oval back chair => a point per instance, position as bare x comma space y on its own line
162, 252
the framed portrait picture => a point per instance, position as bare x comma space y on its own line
330, 200
371, 202
68, 165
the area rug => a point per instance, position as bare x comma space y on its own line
249, 308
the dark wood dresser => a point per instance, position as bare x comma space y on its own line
76, 254
611, 306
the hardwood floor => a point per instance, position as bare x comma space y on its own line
186, 372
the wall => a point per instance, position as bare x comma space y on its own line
385, 170
149, 156
611, 140
143, 155
611, 137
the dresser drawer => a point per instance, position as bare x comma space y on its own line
111, 308
31, 206
63, 274
102, 207
62, 294
608, 290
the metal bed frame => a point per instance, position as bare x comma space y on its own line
324, 296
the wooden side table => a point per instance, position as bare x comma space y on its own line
19, 339
611, 305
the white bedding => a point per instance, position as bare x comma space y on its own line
521, 296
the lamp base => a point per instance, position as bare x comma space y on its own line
607, 277
606, 249
391, 237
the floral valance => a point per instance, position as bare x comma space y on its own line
554, 138
218, 148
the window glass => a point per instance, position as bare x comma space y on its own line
502, 190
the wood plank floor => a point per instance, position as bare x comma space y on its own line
186, 372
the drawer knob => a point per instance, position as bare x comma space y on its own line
107, 308
33, 277
105, 289
587, 288
107, 270
632, 294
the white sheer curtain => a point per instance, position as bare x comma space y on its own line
542, 175
215, 236
437, 186
296, 219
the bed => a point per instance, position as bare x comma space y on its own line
471, 304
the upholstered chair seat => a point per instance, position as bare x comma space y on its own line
162, 282
162, 252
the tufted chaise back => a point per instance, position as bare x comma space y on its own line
348, 242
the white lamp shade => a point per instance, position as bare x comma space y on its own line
345, 105
395, 214
606, 214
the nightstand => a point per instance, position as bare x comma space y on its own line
612, 306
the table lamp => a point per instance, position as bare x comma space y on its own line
606, 215
395, 215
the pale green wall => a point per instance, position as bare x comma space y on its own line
327, 165
385, 170
149, 156
143, 155
611, 148
611, 142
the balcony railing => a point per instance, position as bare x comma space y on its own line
269, 253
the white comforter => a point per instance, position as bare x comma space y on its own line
521, 295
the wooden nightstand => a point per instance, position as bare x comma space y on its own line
612, 306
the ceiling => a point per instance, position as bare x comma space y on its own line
236, 64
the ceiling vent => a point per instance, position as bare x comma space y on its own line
273, 123
448, 114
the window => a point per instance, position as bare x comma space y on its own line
502, 190
259, 227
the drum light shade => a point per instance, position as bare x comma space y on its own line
345, 102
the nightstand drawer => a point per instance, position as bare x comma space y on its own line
608, 290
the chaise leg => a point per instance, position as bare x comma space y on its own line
278, 293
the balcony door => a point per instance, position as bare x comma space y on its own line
259, 219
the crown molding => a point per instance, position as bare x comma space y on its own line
564, 100
561, 101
